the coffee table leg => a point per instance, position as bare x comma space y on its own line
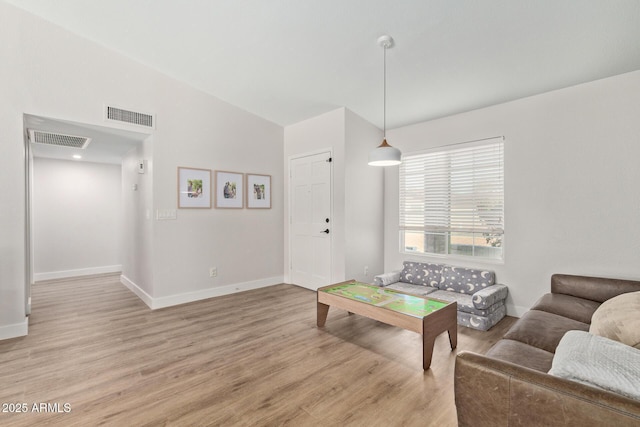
323, 310
453, 336
428, 341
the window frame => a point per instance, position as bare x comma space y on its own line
485, 191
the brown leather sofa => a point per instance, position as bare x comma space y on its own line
509, 386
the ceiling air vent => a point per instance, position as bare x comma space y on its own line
58, 139
130, 117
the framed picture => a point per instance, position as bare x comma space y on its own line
194, 188
258, 191
229, 190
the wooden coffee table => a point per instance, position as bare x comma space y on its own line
427, 316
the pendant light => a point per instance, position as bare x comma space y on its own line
384, 154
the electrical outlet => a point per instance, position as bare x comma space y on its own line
213, 271
366, 270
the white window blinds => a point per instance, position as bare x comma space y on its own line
454, 189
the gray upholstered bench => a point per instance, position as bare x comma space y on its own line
481, 302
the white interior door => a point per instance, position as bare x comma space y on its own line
310, 220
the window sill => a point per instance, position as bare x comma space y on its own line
457, 258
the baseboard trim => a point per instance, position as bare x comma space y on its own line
15, 330
38, 277
187, 297
140, 293
516, 310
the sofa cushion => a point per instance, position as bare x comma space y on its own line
409, 288
420, 273
543, 330
482, 323
599, 362
489, 296
465, 280
619, 319
386, 279
575, 308
522, 354
465, 302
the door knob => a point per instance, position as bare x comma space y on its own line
325, 231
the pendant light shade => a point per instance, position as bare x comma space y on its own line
384, 154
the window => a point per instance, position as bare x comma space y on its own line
452, 200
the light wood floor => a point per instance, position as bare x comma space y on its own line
253, 358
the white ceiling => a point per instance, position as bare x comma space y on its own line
289, 60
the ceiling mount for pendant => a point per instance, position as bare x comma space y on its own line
385, 41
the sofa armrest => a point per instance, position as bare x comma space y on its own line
492, 392
387, 279
486, 297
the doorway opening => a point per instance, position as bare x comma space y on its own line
74, 198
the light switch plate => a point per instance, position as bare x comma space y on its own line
166, 214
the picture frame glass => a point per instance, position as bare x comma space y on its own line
229, 190
194, 188
258, 191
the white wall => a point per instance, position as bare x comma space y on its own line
571, 183
364, 196
56, 74
137, 224
245, 245
357, 240
309, 136
77, 218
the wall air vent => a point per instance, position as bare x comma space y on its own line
131, 117
58, 139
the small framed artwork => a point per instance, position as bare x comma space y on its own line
229, 190
194, 188
258, 191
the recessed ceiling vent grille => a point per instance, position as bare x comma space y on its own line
131, 117
58, 139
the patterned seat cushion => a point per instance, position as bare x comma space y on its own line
465, 302
409, 288
482, 323
420, 273
465, 280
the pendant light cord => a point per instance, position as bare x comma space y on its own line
384, 92
384, 154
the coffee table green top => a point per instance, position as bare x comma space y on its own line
380, 297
